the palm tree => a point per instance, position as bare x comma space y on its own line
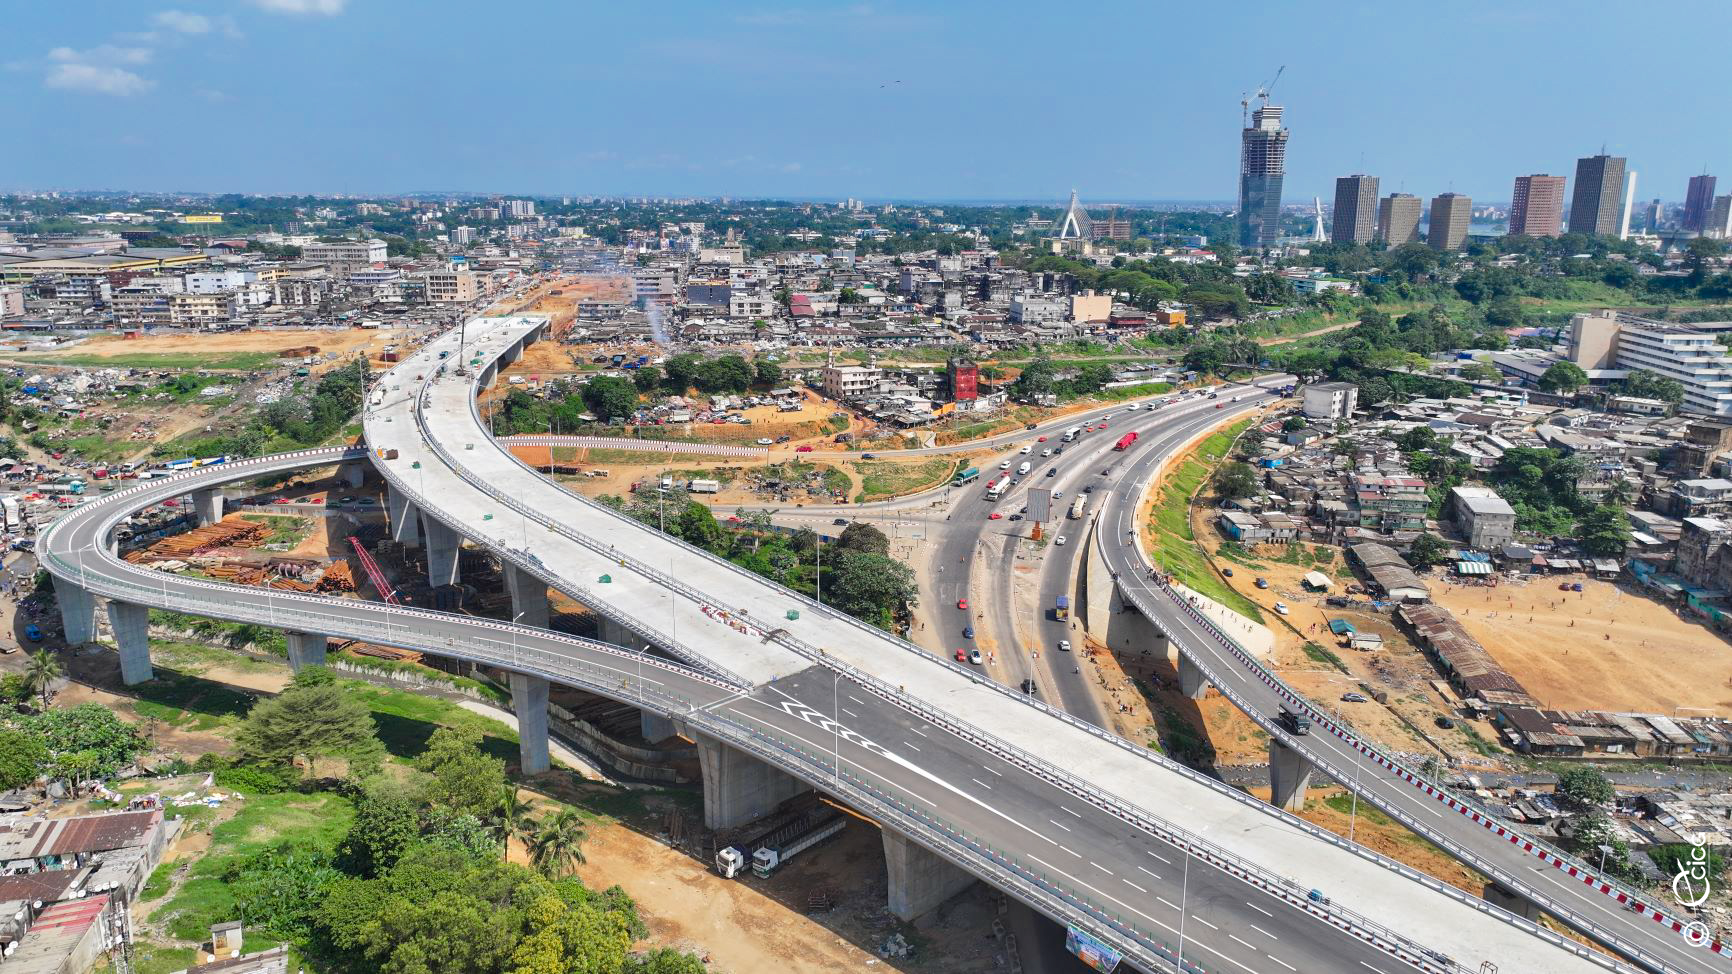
511, 818
558, 843
42, 670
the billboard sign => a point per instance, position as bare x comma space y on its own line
1091, 951
1040, 504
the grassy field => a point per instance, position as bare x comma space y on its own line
1172, 545
284, 530
228, 361
881, 481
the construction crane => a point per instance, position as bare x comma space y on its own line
1263, 91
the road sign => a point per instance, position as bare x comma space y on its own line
1039, 504
1098, 956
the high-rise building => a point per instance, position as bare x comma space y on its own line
1698, 203
1262, 166
1450, 215
1355, 210
1398, 219
1719, 225
1536, 208
1599, 198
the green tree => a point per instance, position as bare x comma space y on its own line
1647, 384
610, 397
14, 690
697, 526
1036, 378
281, 887
1604, 531
40, 672
1481, 372
1428, 549
511, 818
465, 779
557, 845
860, 536
1235, 480
22, 759
1563, 377
313, 719
1584, 787
88, 727
868, 586
1417, 439
384, 828
768, 373
665, 960
572, 938
646, 378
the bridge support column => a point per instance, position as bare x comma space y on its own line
1192, 682
209, 506
306, 649
609, 631
131, 625
528, 597
1512, 901
920, 880
738, 787
442, 547
405, 518
353, 474
529, 703
1289, 776
77, 612
655, 728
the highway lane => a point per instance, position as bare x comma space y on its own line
836, 733
473, 480
1371, 778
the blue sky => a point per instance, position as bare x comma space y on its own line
940, 100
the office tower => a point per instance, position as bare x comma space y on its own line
1698, 203
1599, 195
1654, 215
1450, 214
1355, 210
1262, 165
1537, 207
1398, 219
1719, 225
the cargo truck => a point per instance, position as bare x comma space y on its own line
780, 848
966, 476
1125, 442
996, 489
783, 829
1061, 607
1023, 469
1077, 505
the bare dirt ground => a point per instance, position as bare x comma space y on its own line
1332, 809
746, 926
1604, 648
343, 342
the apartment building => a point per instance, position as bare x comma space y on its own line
11, 301
346, 257
1330, 400
200, 309
1486, 520
1355, 218
1398, 219
1537, 206
450, 287
1694, 357
1450, 215
848, 381
1599, 197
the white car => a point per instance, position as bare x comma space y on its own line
1045, 453
1059, 541
1133, 407
1064, 645
1005, 465
1025, 451
974, 657
1280, 608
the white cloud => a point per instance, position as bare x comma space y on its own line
97, 79
102, 54
186, 23
327, 8
100, 70
791, 167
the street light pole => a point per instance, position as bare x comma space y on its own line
1184, 899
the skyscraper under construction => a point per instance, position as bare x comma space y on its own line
1262, 165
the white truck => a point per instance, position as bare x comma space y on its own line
996, 489
779, 838
1022, 471
1076, 506
777, 850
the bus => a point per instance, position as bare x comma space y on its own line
966, 477
1071, 434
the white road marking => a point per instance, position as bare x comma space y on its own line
917, 731
851, 713
1102, 868
1077, 854
1135, 886
1245, 942
1060, 825
981, 783
856, 700
1151, 872
1170, 903
1369, 967
1077, 814
1160, 857
1282, 963
993, 770
1204, 922
910, 747
1260, 930
1259, 909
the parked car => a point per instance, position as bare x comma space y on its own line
1227, 572
962, 656
1262, 583
33, 633
803, 448
1353, 697
962, 603
1029, 688
1443, 722
840, 521
1281, 608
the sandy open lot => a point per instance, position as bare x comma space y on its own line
342, 341
1604, 648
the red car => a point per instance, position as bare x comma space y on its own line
962, 656
807, 448
280, 500
994, 516
1042, 440
962, 603
1219, 405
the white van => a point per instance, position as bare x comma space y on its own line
1022, 471
1025, 451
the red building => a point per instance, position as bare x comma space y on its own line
964, 381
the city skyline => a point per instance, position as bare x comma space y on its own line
258, 75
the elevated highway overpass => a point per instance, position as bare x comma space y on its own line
969, 779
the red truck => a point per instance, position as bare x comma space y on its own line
1125, 442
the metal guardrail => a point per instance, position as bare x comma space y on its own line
1078, 787
1432, 789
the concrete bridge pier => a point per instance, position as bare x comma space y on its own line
77, 612
528, 597
130, 623
529, 703
442, 548
405, 518
352, 474
306, 649
737, 786
609, 631
1512, 901
1289, 776
655, 728
920, 880
1192, 682
208, 504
